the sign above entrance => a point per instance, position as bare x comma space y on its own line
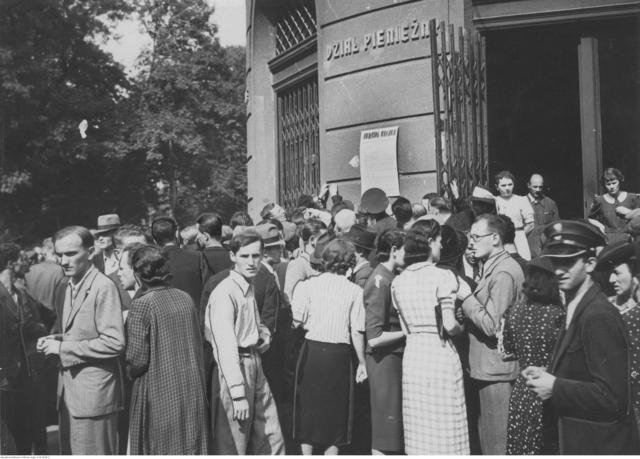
379, 160
392, 36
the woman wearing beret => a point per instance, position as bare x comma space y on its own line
530, 331
385, 345
330, 308
433, 402
613, 207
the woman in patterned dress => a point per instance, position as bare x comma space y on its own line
517, 208
433, 404
530, 330
621, 260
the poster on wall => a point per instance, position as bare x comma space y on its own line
379, 160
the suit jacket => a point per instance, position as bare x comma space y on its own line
188, 270
98, 262
19, 329
92, 339
268, 297
590, 394
499, 287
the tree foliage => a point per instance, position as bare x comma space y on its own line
180, 121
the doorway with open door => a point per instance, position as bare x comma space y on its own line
564, 101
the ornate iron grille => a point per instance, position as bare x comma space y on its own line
296, 25
460, 107
298, 141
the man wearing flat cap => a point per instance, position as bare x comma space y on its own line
106, 261
373, 204
587, 383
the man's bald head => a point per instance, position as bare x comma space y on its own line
536, 185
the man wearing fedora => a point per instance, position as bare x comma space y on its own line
106, 261
364, 242
587, 383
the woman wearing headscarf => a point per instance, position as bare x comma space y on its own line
330, 308
385, 345
164, 360
433, 403
530, 330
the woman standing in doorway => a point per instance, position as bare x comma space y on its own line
433, 403
517, 208
613, 207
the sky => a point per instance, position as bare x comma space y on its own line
229, 15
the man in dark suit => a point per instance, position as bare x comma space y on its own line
210, 240
188, 268
588, 381
106, 261
20, 326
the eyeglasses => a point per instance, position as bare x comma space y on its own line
477, 237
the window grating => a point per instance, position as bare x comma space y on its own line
297, 23
298, 141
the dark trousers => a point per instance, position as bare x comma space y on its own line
17, 429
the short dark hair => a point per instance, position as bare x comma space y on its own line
387, 240
504, 174
243, 239
495, 224
265, 213
312, 227
9, 251
541, 286
305, 200
429, 196
440, 203
338, 256
297, 216
402, 210
163, 230
149, 264
128, 231
210, 223
612, 171
416, 244
240, 218
83, 233
510, 229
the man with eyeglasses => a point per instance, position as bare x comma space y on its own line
499, 287
587, 383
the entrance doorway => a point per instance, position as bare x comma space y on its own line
564, 101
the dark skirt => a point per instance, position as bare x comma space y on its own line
324, 394
385, 383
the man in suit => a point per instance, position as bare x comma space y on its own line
210, 240
106, 261
364, 242
588, 381
89, 382
188, 267
499, 287
20, 326
125, 236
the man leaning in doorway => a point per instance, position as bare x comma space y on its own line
545, 211
498, 288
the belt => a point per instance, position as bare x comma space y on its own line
245, 350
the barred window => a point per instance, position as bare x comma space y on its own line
297, 23
298, 141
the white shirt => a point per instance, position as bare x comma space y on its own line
328, 306
110, 263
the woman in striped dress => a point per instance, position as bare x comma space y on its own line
331, 309
433, 403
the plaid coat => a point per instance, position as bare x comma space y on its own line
164, 359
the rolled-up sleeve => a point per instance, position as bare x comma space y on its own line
376, 297
356, 316
300, 304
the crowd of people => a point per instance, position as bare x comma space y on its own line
456, 325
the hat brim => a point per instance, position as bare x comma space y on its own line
485, 200
108, 229
563, 251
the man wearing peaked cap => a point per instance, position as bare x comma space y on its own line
587, 382
373, 204
106, 261
364, 241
